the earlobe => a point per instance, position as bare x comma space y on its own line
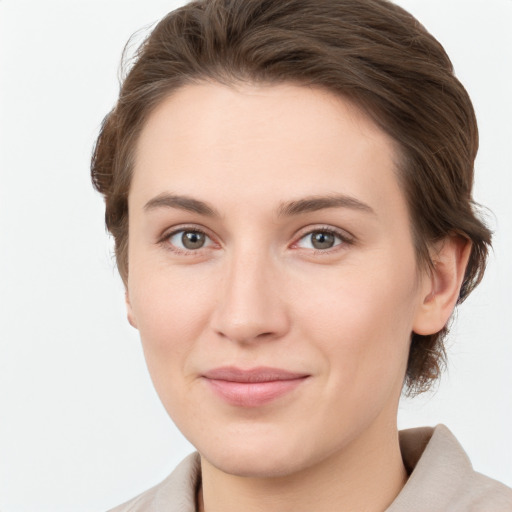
129, 311
442, 284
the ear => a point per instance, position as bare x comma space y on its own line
129, 310
442, 284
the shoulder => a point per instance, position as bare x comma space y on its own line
484, 492
442, 477
174, 494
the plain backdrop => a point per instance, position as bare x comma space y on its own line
81, 428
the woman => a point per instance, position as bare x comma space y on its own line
289, 189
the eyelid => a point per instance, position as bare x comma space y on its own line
345, 237
164, 239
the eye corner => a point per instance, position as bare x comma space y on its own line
330, 239
198, 242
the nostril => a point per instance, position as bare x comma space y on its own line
246, 335
249, 312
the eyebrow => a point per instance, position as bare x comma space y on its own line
296, 207
315, 203
182, 203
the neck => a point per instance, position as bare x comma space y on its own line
365, 475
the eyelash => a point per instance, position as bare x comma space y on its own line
344, 238
164, 240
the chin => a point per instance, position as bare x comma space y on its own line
260, 465
258, 458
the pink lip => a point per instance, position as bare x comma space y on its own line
253, 387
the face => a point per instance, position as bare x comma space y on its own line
272, 273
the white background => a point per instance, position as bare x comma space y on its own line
81, 428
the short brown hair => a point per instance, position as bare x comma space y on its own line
371, 52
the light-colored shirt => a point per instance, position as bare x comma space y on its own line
441, 480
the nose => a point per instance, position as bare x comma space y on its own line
251, 305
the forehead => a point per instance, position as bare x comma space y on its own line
246, 143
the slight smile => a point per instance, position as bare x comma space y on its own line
252, 387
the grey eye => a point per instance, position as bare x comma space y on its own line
320, 240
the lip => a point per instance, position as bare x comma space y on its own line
252, 387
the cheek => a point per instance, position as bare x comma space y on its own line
362, 320
171, 312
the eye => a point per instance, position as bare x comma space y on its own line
189, 240
320, 239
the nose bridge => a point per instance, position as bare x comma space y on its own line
249, 305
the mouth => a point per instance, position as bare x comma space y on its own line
253, 387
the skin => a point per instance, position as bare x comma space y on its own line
258, 293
